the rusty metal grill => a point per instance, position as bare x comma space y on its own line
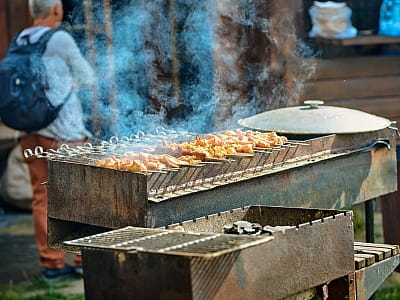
169, 242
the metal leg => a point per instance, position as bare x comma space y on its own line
369, 225
369, 221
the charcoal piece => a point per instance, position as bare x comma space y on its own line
228, 228
241, 224
267, 229
257, 226
272, 229
249, 230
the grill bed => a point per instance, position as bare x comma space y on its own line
204, 245
314, 247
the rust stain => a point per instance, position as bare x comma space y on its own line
359, 278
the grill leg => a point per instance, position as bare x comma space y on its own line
369, 225
369, 221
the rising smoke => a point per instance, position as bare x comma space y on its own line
197, 66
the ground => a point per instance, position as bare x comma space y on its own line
19, 258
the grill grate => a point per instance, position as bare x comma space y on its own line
169, 241
170, 182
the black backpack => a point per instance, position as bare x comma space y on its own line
23, 101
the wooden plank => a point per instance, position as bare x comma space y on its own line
353, 67
393, 248
20, 16
370, 278
365, 244
382, 106
369, 258
378, 254
360, 262
387, 252
352, 88
359, 41
381, 253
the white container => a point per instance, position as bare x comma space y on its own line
331, 20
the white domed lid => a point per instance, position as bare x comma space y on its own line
315, 118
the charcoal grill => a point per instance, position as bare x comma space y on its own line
195, 260
332, 171
205, 245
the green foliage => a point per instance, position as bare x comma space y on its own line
388, 293
358, 222
37, 289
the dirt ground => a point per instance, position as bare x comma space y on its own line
19, 258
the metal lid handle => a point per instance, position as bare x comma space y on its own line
314, 103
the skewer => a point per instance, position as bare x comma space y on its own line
241, 155
263, 152
289, 146
153, 172
210, 163
198, 165
299, 143
171, 170
187, 175
212, 159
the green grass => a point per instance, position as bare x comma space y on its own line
37, 289
358, 223
388, 293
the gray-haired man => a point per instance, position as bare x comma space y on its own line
65, 68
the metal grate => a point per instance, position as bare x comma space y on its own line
169, 241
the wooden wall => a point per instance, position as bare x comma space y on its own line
14, 16
368, 83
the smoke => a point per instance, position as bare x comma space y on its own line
194, 65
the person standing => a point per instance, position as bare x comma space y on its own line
66, 70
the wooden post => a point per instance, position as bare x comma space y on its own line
4, 33
390, 206
175, 63
157, 48
230, 43
254, 56
14, 16
111, 71
91, 50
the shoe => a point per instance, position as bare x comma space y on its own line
78, 271
54, 275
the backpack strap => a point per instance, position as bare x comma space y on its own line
26, 38
45, 38
43, 44
42, 40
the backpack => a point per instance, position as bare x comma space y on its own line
23, 85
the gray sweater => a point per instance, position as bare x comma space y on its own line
64, 66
